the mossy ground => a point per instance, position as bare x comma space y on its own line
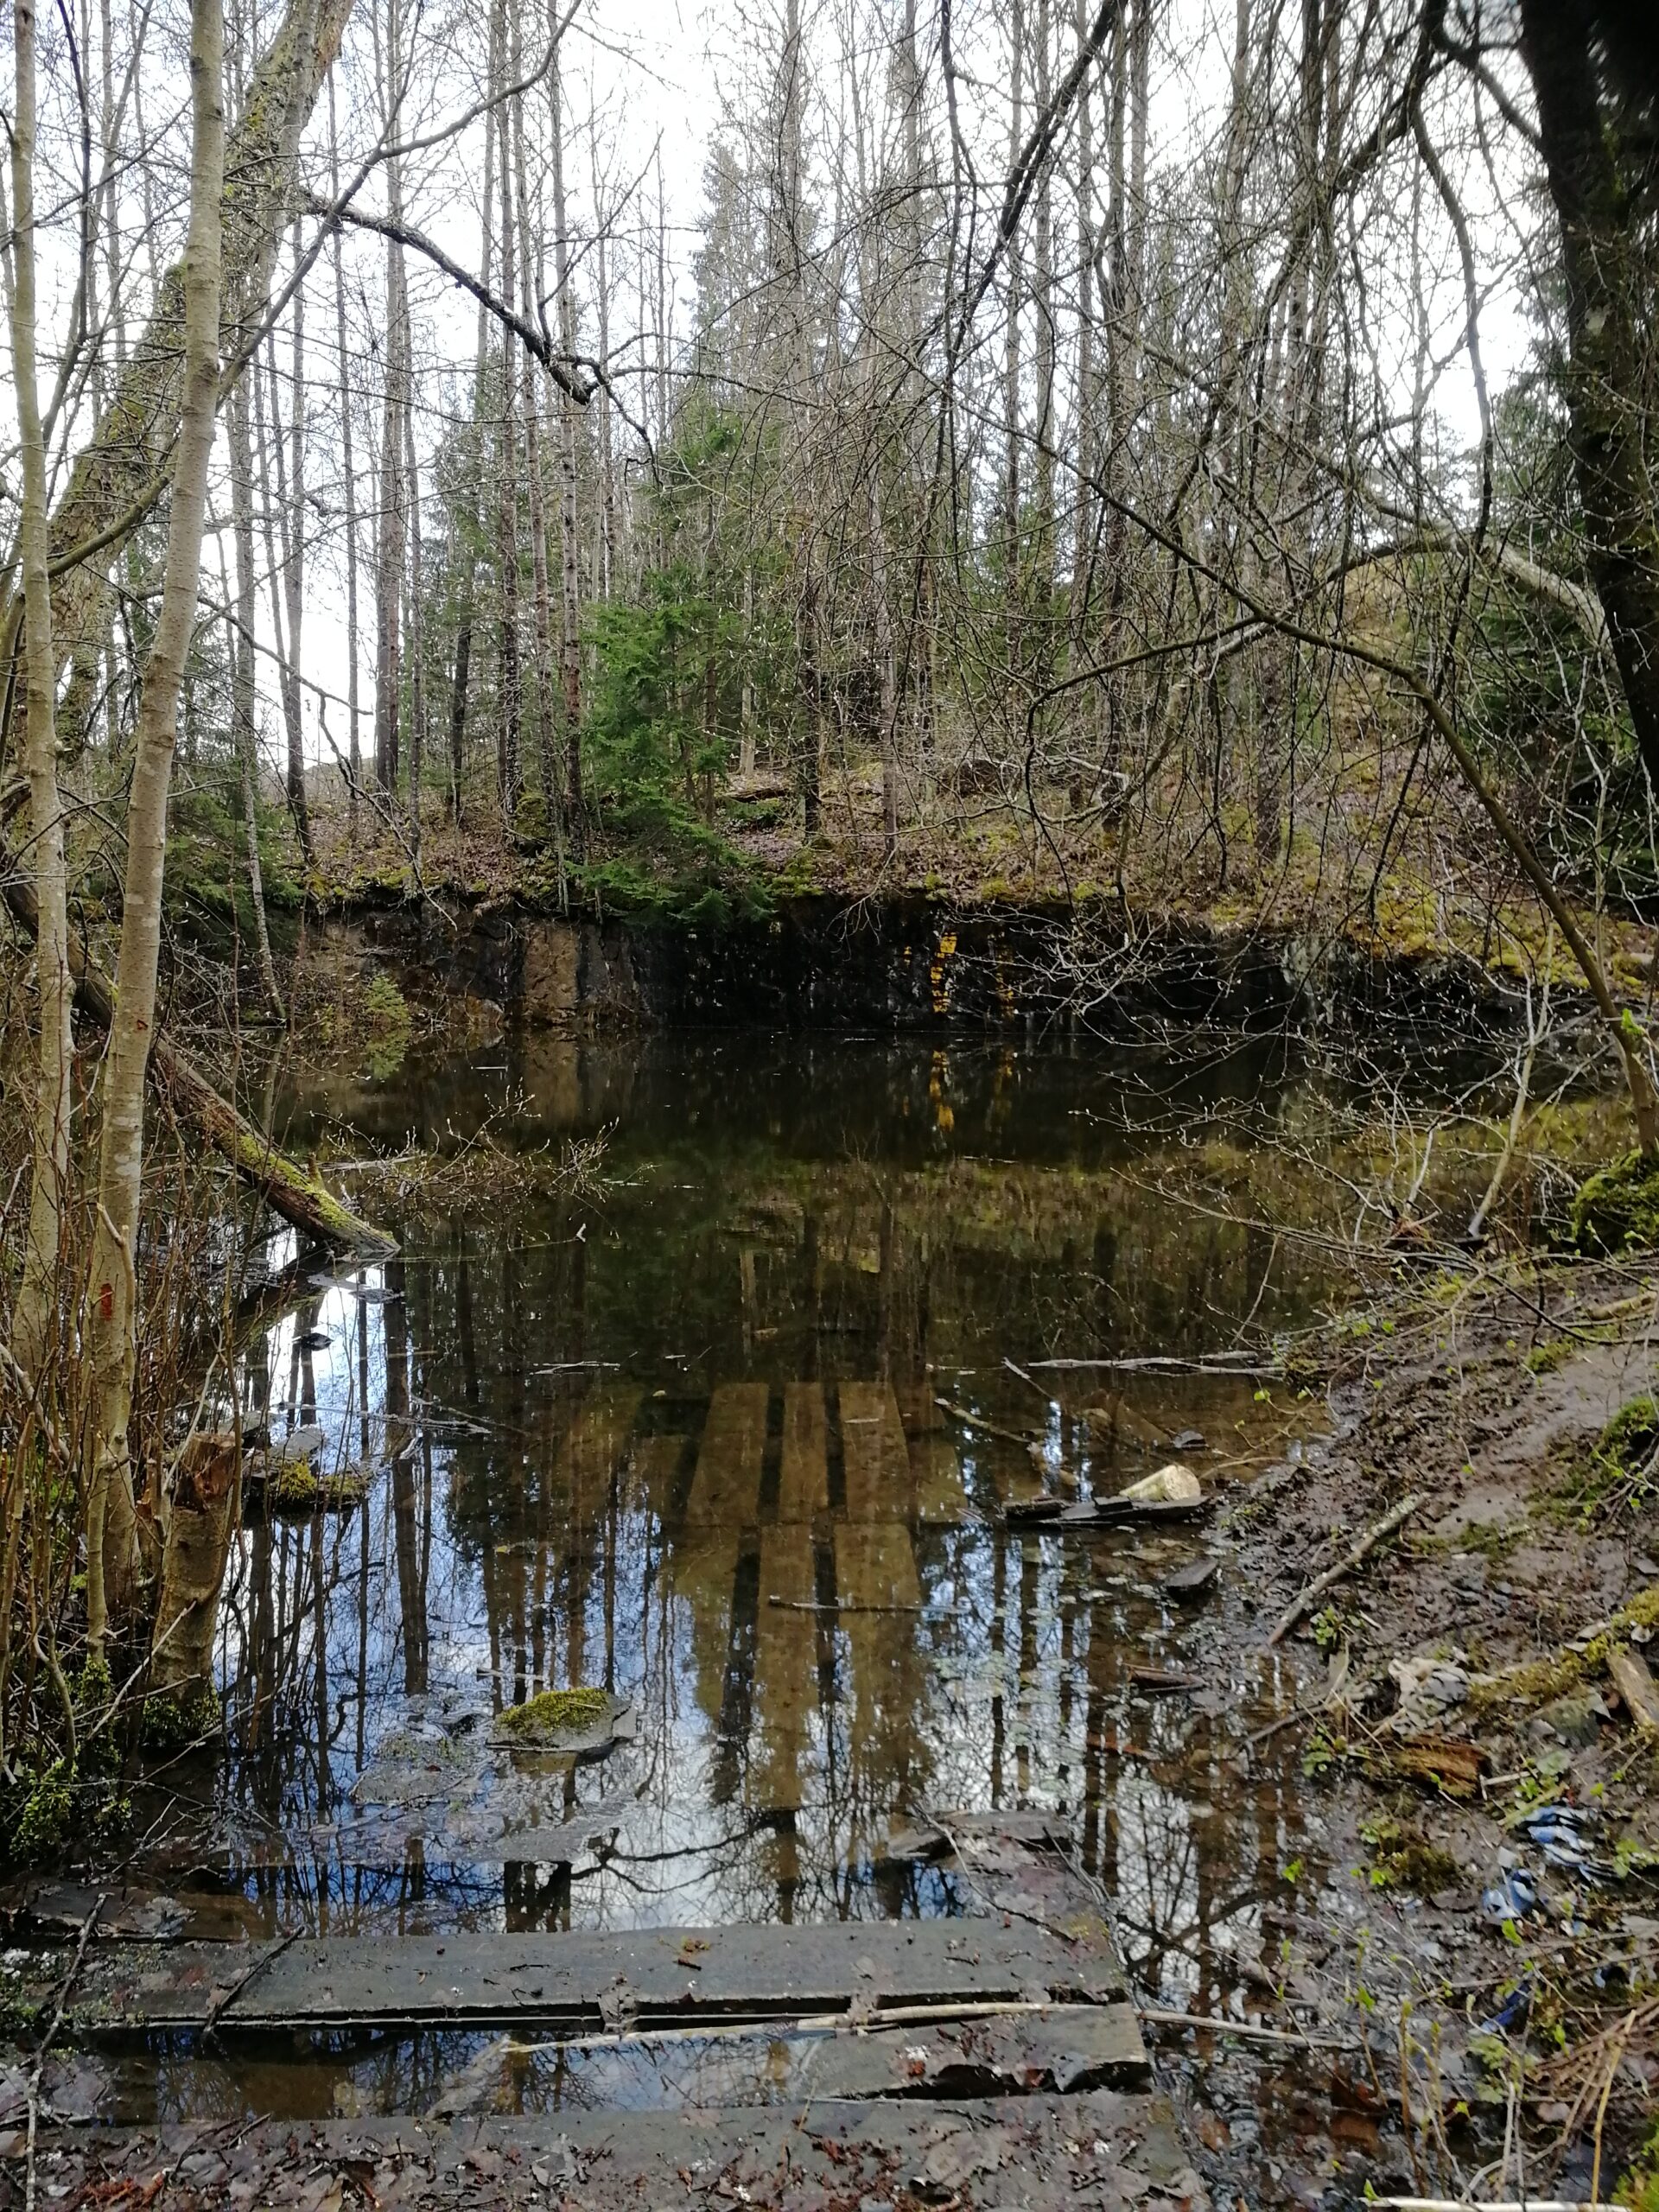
1617, 1208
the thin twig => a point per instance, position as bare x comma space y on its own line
1377, 1534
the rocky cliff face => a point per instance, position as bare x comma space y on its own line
908, 964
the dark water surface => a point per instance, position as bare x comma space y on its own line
606, 1431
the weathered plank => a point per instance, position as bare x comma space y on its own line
587, 1453
875, 1564
653, 1466
937, 1490
785, 1667
726, 1489
1062, 2048
573, 1980
804, 1473
874, 1452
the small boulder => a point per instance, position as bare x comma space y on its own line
1576, 1719
1170, 1485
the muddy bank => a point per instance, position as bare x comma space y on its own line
1468, 1700
912, 964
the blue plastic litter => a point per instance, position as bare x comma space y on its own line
1511, 2013
1511, 1897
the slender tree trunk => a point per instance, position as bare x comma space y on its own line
548, 759
389, 560
1013, 582
508, 689
119, 465
282, 525
1043, 301
416, 649
1082, 553
604, 567
37, 1293
244, 693
348, 469
111, 1549
294, 566
569, 579
1608, 395
468, 549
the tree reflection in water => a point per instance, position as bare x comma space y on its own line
607, 1434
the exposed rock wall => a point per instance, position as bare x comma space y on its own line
908, 964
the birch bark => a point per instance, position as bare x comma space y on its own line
111, 1548
37, 1293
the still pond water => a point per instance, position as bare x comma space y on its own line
678, 1435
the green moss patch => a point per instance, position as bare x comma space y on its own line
1617, 1208
291, 1488
1535, 1681
553, 1716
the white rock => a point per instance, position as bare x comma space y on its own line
1171, 1485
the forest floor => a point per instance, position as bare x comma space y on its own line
1457, 1698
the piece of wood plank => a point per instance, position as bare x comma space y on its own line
1064, 2049
874, 1453
577, 1980
1632, 1678
726, 1488
652, 1469
936, 1491
785, 1667
875, 1566
804, 1469
587, 1455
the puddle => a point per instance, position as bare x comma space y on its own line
681, 1441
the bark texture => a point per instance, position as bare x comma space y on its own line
202, 1511
37, 1292
115, 479
1601, 261
111, 1286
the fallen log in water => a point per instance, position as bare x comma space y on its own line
286, 1188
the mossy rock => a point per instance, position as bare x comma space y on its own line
577, 1720
293, 1489
1617, 1209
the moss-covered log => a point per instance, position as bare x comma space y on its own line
286, 1188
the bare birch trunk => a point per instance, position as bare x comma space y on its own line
530, 264
294, 567
1082, 542
37, 1293
1013, 582
507, 678
111, 1548
354, 754
117, 475
389, 557
570, 578
463, 667
416, 653
244, 690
